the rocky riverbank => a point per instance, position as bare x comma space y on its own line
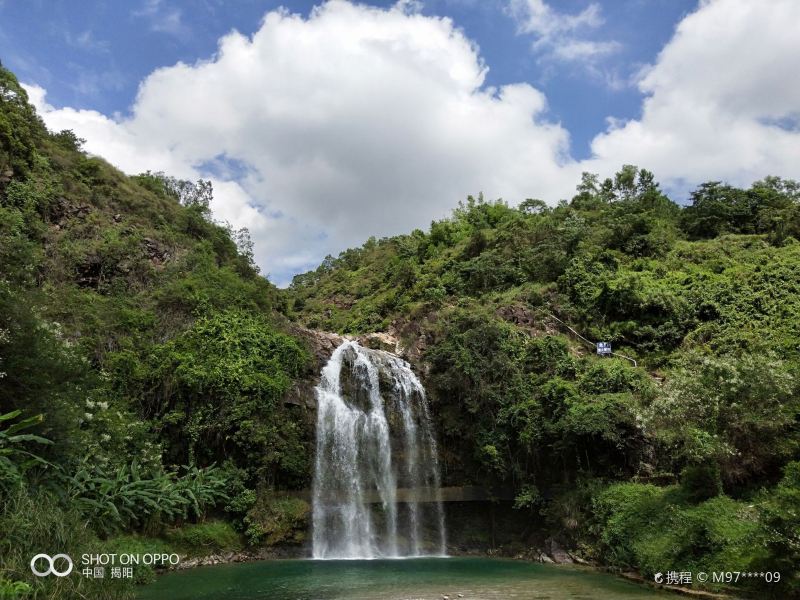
275, 553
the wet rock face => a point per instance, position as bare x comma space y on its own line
356, 385
321, 345
557, 552
354, 380
411, 340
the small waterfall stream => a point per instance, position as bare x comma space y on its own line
374, 438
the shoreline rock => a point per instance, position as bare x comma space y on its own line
230, 557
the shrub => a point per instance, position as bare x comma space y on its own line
133, 498
780, 512
622, 511
653, 529
701, 482
205, 538
218, 387
14, 459
9, 590
739, 412
277, 521
33, 521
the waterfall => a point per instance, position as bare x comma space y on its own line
374, 439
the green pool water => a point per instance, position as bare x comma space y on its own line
409, 579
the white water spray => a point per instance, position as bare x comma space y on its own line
373, 437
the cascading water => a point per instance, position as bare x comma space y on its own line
374, 438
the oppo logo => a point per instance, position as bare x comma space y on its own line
51, 565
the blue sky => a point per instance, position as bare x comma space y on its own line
324, 123
93, 54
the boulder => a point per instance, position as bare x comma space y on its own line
557, 552
380, 341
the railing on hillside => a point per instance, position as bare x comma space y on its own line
591, 343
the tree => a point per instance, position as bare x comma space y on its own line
21, 129
737, 411
716, 209
186, 193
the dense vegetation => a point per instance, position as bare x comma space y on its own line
143, 362
686, 460
144, 365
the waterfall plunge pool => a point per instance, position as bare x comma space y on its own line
408, 579
374, 437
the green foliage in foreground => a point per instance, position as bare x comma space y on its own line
129, 499
13, 589
654, 529
781, 516
32, 521
139, 347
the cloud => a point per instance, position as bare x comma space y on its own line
163, 18
536, 16
722, 99
86, 41
320, 131
575, 50
558, 35
354, 121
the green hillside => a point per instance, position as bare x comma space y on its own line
673, 461
143, 362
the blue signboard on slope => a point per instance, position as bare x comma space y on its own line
604, 348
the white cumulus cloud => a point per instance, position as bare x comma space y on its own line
722, 99
559, 36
